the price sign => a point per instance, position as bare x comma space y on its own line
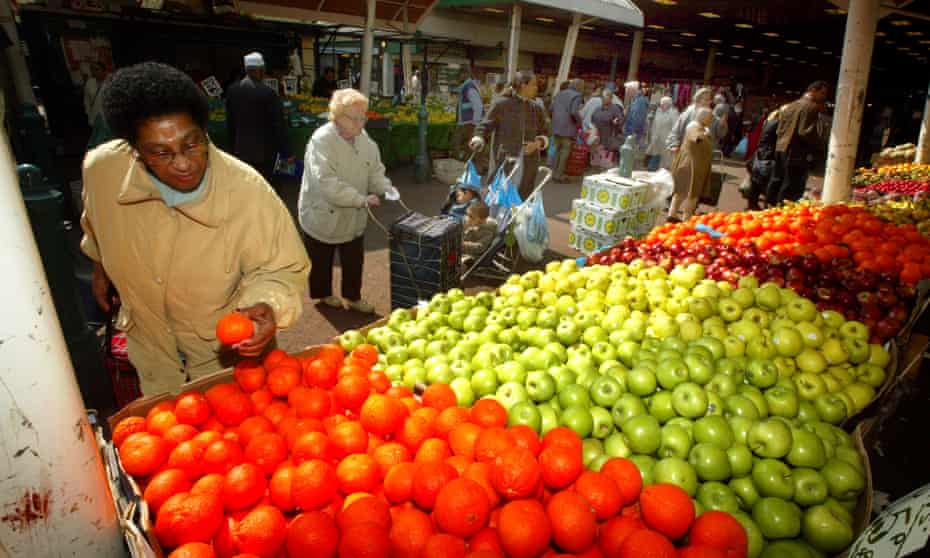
901, 529
212, 87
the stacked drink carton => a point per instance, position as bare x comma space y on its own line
610, 208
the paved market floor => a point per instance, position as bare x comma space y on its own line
320, 323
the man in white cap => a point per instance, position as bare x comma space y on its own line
255, 120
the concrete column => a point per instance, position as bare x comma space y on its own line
709, 68
513, 47
15, 59
861, 22
923, 145
368, 42
568, 51
406, 55
636, 53
387, 73
55, 496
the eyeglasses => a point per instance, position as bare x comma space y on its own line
191, 150
357, 119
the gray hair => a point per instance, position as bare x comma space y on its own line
702, 94
578, 83
704, 114
521, 78
665, 101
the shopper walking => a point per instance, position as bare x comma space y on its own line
607, 119
692, 166
255, 119
702, 99
184, 232
325, 84
521, 128
762, 164
470, 111
662, 122
595, 102
799, 139
343, 177
635, 124
566, 118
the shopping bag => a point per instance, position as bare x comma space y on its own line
739, 152
532, 229
470, 175
603, 158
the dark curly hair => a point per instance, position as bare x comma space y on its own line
137, 93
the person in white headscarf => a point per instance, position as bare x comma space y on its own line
692, 166
662, 122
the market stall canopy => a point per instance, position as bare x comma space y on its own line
403, 15
616, 11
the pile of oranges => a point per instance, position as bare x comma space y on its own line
830, 232
321, 457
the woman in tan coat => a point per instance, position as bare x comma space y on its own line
184, 232
692, 165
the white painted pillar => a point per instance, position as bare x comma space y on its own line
387, 73
861, 22
923, 144
368, 41
406, 54
636, 53
54, 496
15, 59
568, 50
709, 68
513, 47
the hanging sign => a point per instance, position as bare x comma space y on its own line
901, 529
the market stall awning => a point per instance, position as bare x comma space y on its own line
617, 11
403, 15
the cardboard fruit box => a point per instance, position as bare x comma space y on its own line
610, 190
604, 221
588, 242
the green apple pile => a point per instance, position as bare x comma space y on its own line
731, 393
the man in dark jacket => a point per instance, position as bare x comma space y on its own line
799, 139
566, 118
325, 84
255, 119
521, 129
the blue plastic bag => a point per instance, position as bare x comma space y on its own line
532, 229
739, 152
470, 176
502, 197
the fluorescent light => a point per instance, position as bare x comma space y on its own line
771, 34
735, 57
651, 40
789, 58
621, 34
793, 41
666, 2
743, 25
688, 34
750, 60
880, 33
904, 48
900, 22
835, 11
709, 15
914, 33
890, 42
676, 45
587, 27
738, 46
698, 49
715, 41
811, 47
828, 52
757, 50
545, 19
655, 26
774, 55
493, 10
925, 42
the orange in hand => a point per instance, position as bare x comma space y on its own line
234, 328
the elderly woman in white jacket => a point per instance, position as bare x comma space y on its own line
343, 177
662, 123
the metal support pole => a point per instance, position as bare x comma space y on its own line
54, 495
422, 161
709, 68
636, 53
568, 50
513, 47
613, 68
368, 41
923, 144
859, 40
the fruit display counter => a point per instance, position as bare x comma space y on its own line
318, 455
